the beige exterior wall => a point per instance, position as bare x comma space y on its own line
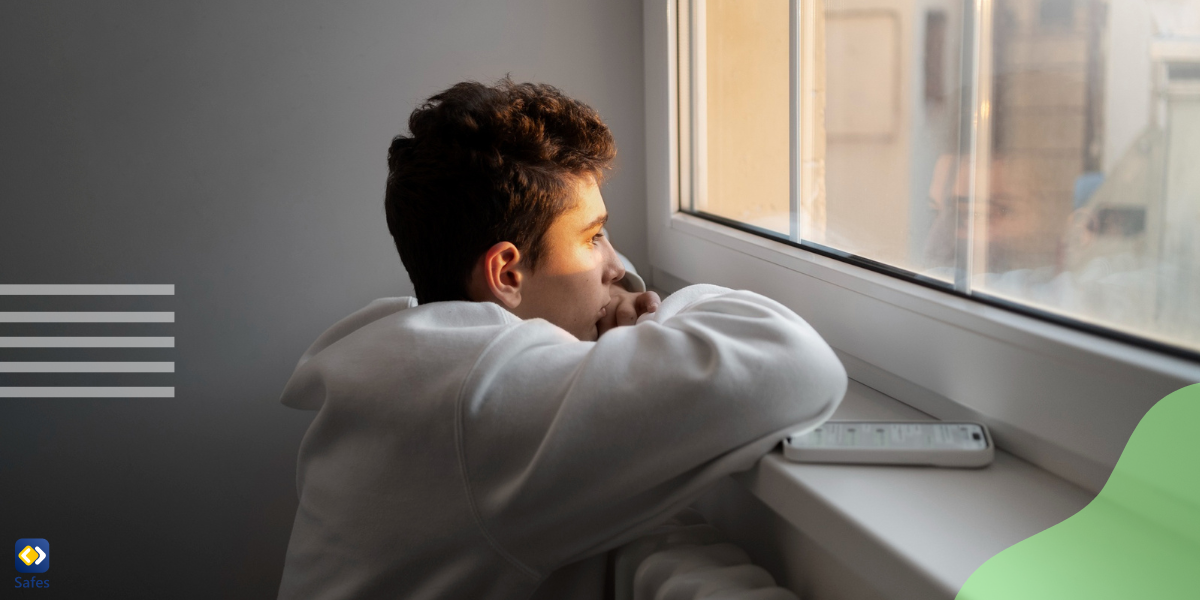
748, 142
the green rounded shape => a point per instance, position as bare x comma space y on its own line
1139, 538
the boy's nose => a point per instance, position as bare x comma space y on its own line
620, 271
616, 268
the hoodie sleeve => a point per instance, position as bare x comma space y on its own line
570, 448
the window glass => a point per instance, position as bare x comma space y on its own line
893, 107
744, 139
1093, 207
1034, 152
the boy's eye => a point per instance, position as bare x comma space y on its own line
596, 238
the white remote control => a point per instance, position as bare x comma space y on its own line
931, 443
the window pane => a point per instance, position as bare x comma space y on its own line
744, 139
1093, 204
1042, 152
893, 106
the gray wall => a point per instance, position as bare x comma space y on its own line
236, 150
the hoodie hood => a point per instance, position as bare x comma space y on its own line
306, 390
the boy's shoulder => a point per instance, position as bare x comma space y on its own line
375, 343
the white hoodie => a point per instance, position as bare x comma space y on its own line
461, 452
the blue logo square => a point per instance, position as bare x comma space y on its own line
33, 555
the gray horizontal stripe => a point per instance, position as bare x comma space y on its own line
86, 290
87, 342
87, 317
87, 392
87, 367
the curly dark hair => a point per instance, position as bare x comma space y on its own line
486, 164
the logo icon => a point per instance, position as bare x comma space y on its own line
33, 555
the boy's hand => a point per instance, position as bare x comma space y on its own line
625, 307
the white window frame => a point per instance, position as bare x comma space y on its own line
1058, 397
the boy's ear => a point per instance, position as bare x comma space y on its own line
501, 278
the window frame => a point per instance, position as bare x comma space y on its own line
1060, 397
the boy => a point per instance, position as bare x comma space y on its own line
512, 418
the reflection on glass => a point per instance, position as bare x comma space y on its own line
1096, 142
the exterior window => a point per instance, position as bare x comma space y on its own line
1034, 154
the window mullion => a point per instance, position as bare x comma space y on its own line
699, 38
974, 260
685, 99
797, 129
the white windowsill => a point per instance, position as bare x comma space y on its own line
1076, 400
918, 532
